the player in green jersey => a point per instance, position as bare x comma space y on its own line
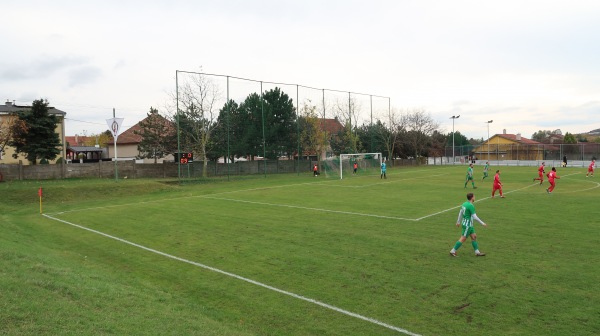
465, 221
485, 170
470, 177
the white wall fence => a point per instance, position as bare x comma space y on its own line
515, 163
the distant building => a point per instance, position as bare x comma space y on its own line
332, 127
509, 147
8, 109
594, 132
127, 145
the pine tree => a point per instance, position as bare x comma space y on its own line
38, 139
158, 136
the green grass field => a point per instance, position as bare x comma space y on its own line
297, 255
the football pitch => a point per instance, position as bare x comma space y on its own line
302, 255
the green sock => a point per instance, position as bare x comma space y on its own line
475, 245
457, 245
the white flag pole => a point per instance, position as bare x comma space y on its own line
115, 142
114, 125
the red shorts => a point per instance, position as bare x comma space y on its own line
590, 170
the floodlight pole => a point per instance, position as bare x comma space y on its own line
488, 141
453, 117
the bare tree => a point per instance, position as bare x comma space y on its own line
347, 111
420, 127
395, 124
8, 124
198, 113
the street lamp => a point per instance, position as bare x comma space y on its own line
453, 117
488, 123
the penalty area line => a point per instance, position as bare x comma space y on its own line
478, 200
254, 282
307, 208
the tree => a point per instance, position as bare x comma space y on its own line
420, 126
459, 139
569, 138
38, 138
312, 134
228, 134
8, 125
197, 115
100, 139
346, 141
159, 137
541, 135
436, 144
375, 136
280, 122
392, 128
267, 124
347, 111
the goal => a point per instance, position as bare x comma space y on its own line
367, 163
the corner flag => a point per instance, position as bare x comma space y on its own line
40, 193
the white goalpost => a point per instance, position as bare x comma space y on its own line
364, 161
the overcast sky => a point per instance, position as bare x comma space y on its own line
526, 65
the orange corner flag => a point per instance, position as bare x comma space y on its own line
40, 195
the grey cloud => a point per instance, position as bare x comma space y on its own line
40, 68
84, 75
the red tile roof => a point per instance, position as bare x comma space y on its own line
523, 140
77, 140
332, 126
130, 136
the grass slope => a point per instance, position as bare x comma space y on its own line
378, 248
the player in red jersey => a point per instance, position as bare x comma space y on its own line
497, 184
541, 172
591, 168
551, 177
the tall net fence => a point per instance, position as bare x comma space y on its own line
237, 125
578, 154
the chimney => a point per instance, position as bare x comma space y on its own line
504, 131
518, 137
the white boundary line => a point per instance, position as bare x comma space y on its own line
211, 196
306, 208
319, 303
477, 200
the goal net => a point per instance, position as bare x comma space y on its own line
364, 163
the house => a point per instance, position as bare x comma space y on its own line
331, 127
78, 147
510, 147
128, 141
7, 111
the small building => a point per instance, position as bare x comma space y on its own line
510, 147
